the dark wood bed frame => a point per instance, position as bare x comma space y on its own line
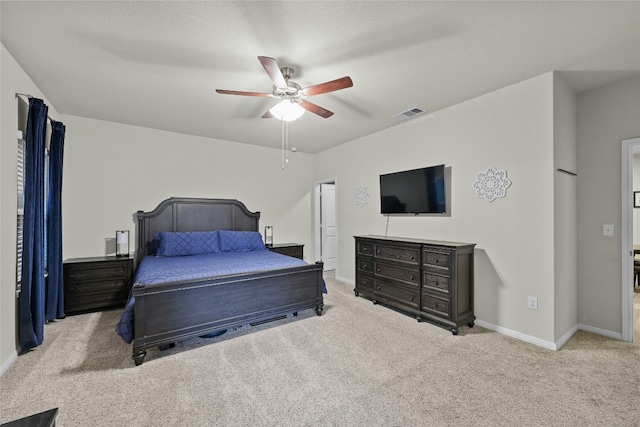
170, 312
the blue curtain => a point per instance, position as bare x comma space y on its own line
32, 293
54, 307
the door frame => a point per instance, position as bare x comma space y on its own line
317, 214
626, 236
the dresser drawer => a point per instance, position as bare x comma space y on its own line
82, 272
411, 276
289, 249
437, 305
364, 248
399, 253
399, 294
436, 282
364, 283
95, 301
440, 260
97, 286
365, 265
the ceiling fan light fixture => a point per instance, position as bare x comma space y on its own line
287, 110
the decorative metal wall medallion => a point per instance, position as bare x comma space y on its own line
362, 197
491, 184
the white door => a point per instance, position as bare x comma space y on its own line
328, 229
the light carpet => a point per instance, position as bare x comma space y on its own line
359, 364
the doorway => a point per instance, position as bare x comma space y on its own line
326, 226
629, 146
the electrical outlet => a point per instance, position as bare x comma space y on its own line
532, 303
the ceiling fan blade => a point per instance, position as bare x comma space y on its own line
331, 86
238, 92
271, 67
267, 115
316, 109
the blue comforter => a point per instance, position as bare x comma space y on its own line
153, 270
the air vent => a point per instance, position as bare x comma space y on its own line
409, 113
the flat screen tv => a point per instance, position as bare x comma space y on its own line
416, 191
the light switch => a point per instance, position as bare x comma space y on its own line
607, 230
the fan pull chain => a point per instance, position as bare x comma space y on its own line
285, 143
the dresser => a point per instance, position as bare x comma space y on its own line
96, 283
290, 249
428, 279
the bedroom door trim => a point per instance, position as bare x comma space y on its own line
317, 215
626, 236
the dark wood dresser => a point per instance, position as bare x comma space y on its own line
428, 279
290, 249
97, 283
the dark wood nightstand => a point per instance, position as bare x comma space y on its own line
290, 249
92, 284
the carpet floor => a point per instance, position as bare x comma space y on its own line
358, 364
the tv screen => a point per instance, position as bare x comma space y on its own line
414, 191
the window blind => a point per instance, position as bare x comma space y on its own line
20, 204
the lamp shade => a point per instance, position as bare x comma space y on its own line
268, 235
122, 243
287, 110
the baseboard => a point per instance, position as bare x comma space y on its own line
7, 363
527, 338
547, 344
598, 331
517, 335
566, 337
343, 279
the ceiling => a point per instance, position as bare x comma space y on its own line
157, 64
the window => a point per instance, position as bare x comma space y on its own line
21, 153
22, 144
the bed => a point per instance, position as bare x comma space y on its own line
198, 301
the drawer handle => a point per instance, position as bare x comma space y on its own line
76, 273
365, 266
412, 297
365, 249
365, 282
378, 251
118, 269
379, 288
413, 257
378, 270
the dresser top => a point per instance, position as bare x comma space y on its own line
419, 241
98, 259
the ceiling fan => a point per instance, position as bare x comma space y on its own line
291, 94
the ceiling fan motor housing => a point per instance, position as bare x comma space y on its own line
293, 89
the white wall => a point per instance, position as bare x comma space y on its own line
606, 116
510, 129
565, 211
112, 170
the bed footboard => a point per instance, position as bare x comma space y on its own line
172, 312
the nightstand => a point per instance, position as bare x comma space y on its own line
92, 284
289, 249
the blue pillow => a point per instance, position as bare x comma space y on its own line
186, 243
240, 241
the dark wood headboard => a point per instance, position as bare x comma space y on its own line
192, 214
